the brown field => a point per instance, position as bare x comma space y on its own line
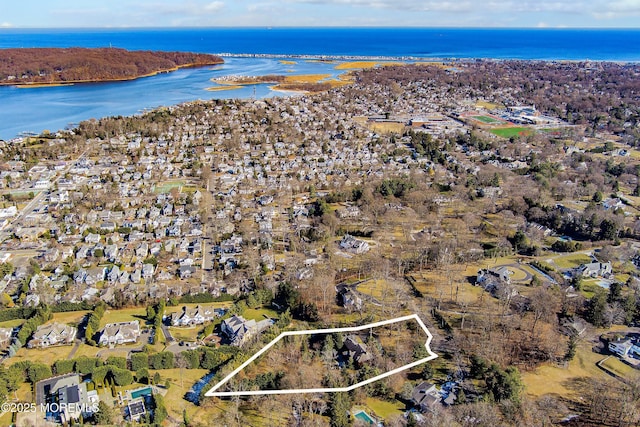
386, 127
550, 379
488, 105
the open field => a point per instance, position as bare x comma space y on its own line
41, 355
488, 105
124, 315
167, 186
386, 127
511, 131
558, 380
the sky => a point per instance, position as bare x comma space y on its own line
320, 13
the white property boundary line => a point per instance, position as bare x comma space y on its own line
432, 355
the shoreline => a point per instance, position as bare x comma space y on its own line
422, 59
34, 85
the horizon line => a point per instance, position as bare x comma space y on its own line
341, 27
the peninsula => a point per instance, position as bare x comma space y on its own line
79, 65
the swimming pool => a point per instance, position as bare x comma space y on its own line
141, 392
361, 415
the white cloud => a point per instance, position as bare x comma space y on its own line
507, 6
625, 6
6, 25
214, 6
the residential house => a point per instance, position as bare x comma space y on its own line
52, 255
356, 349
425, 396
624, 347
237, 329
114, 274
120, 333
32, 300
186, 271
92, 238
5, 336
95, 275
495, 280
595, 269
353, 245
195, 316
71, 393
52, 334
348, 212
147, 270
350, 299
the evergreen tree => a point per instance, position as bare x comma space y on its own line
339, 407
596, 309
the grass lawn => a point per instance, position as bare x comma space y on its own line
571, 260
375, 288
511, 131
12, 323
86, 350
259, 314
384, 409
180, 385
589, 287
41, 355
186, 334
124, 315
167, 186
549, 379
70, 317
621, 369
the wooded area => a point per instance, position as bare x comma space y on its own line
62, 65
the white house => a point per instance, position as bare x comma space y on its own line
120, 333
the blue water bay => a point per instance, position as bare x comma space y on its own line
52, 108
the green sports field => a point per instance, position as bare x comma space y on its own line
486, 119
509, 132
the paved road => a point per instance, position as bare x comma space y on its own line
75, 348
167, 335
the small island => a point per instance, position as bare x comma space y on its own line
30, 67
306, 83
